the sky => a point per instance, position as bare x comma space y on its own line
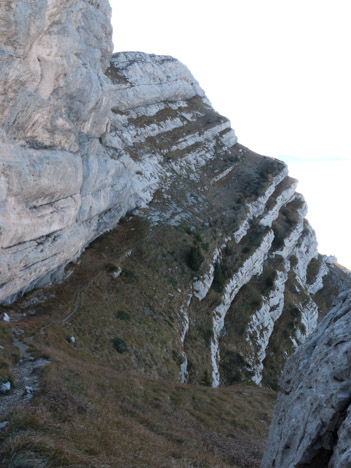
280, 70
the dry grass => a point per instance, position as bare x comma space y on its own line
90, 415
98, 407
9, 354
102, 408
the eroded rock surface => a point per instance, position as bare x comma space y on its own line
216, 258
54, 107
87, 136
69, 166
312, 424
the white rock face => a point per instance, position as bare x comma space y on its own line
250, 268
52, 58
311, 423
318, 282
290, 242
305, 250
281, 200
202, 286
146, 78
309, 318
54, 104
257, 207
302, 244
261, 325
5, 387
183, 374
5, 317
69, 167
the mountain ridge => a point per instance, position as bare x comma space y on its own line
140, 239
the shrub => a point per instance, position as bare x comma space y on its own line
233, 367
207, 334
294, 316
254, 297
255, 235
197, 236
228, 251
122, 315
295, 312
195, 258
186, 229
206, 379
270, 278
205, 246
128, 276
291, 217
278, 241
123, 220
256, 302
221, 274
119, 345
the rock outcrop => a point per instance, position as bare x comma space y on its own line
205, 271
69, 167
311, 425
54, 107
87, 137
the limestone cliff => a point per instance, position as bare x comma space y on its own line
86, 138
54, 107
204, 269
312, 417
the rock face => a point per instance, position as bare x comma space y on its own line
312, 418
87, 137
54, 107
60, 187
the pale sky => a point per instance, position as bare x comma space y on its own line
280, 70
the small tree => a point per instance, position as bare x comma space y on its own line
195, 258
119, 345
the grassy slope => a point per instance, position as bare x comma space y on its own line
102, 408
111, 398
98, 407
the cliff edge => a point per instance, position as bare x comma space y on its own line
88, 137
139, 240
312, 416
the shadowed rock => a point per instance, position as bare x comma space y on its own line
312, 417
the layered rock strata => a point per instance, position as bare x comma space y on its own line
87, 137
54, 107
71, 160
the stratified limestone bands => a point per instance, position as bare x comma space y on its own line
70, 167
86, 136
